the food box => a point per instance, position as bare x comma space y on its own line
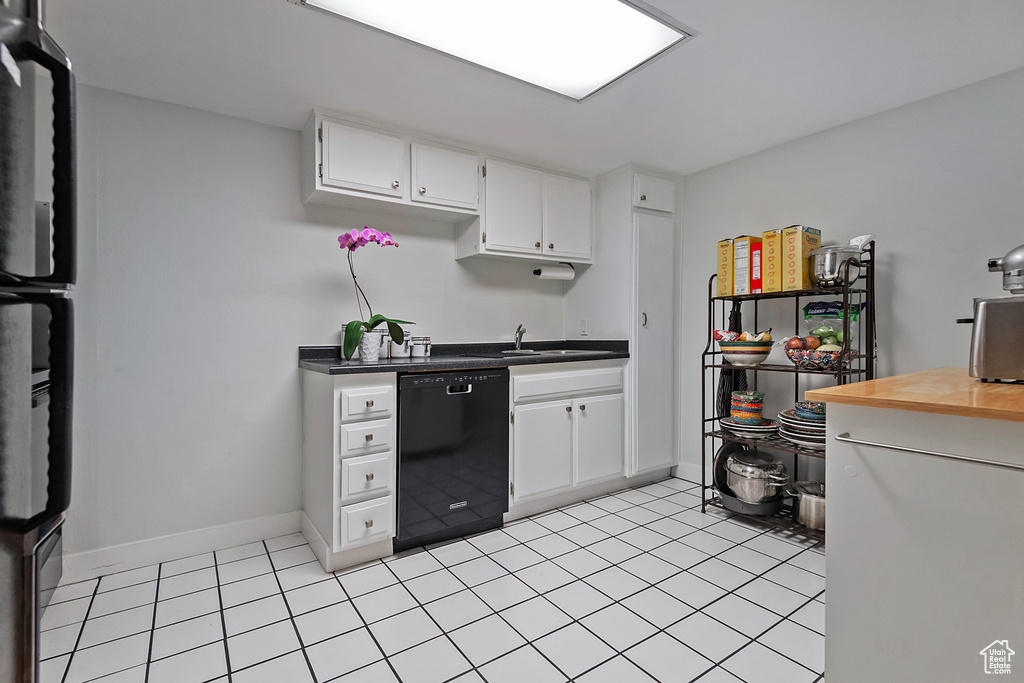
798, 241
747, 264
725, 269
771, 261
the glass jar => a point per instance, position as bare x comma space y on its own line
403, 350
420, 347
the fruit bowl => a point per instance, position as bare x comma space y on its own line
814, 360
745, 353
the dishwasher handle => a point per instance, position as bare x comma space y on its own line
458, 389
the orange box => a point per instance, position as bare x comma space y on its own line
771, 261
745, 248
798, 241
725, 269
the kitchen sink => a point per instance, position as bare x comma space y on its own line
568, 352
520, 352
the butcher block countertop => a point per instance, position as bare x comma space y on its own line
946, 391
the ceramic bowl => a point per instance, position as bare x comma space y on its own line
810, 410
745, 353
814, 360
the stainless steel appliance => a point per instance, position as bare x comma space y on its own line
452, 454
997, 342
37, 269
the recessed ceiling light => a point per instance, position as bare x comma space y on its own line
572, 47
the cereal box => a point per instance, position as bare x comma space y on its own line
798, 241
771, 261
745, 248
725, 268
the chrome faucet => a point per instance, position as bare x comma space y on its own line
520, 331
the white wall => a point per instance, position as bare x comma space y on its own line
201, 273
940, 182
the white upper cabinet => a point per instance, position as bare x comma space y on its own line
567, 224
444, 176
654, 193
363, 160
514, 209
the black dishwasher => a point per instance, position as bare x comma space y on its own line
452, 454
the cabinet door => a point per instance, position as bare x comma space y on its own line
442, 176
566, 217
513, 214
654, 243
599, 443
357, 159
654, 193
542, 448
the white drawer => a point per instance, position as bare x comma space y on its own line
654, 193
364, 523
365, 437
553, 384
366, 476
367, 403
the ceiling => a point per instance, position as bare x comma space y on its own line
759, 74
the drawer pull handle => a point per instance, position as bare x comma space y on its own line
395, 184
583, 407
845, 438
551, 245
568, 409
643, 198
369, 523
369, 437
369, 477
369, 404
423, 190
536, 244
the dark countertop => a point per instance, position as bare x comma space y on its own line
327, 359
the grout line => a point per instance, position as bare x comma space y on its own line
367, 627
67, 666
152, 629
291, 617
223, 621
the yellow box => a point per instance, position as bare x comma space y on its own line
746, 250
725, 269
798, 241
771, 261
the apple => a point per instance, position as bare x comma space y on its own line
795, 343
830, 340
811, 343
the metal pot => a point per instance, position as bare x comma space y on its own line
830, 265
755, 476
809, 506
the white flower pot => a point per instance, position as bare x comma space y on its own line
369, 347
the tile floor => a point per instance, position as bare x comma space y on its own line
634, 586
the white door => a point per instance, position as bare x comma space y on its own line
513, 216
357, 159
654, 368
443, 176
542, 448
654, 193
567, 228
599, 444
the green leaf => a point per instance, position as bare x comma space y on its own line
397, 333
353, 333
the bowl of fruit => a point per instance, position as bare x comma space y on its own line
815, 353
746, 349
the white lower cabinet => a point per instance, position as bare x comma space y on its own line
599, 438
365, 522
543, 436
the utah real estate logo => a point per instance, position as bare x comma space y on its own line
997, 657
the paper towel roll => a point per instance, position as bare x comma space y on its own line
555, 272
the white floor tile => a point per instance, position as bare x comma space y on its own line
578, 599
108, 658
773, 547
430, 587
345, 653
618, 626
367, 580
196, 666
404, 630
486, 639
289, 557
73, 591
691, 589
585, 512
291, 668
52, 670
240, 552
120, 599
696, 518
755, 662
136, 674
282, 542
411, 566
639, 515
244, 569
113, 626
686, 500
58, 641
314, 596
811, 615
458, 609
618, 670
742, 615
556, 521
492, 541
671, 528
432, 662
327, 622
616, 583
186, 635
187, 607
643, 538
711, 638
707, 543
800, 580
611, 504
721, 574
517, 557
796, 642
186, 564
652, 567
262, 644
535, 618
545, 576
668, 660
132, 577
456, 553
718, 675
581, 563
664, 507
680, 484
526, 530
635, 497
384, 603
524, 664
477, 571
302, 575
772, 596
732, 532
574, 649
552, 545
504, 592
750, 560
614, 550
255, 614
192, 582
657, 607
811, 561
657, 490
374, 673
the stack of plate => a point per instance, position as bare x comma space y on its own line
764, 428
801, 431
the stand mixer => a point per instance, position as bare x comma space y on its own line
997, 343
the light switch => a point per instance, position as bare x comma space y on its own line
584, 327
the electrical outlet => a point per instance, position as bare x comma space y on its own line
584, 327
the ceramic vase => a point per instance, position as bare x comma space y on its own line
369, 347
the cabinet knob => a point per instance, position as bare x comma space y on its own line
645, 319
643, 198
369, 437
583, 407
369, 476
551, 246
423, 190
394, 184
369, 523
568, 409
369, 404
536, 244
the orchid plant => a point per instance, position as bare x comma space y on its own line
354, 330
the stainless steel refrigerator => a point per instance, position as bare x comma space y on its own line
37, 271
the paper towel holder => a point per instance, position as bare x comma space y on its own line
537, 271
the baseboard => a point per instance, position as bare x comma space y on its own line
690, 471
119, 558
533, 507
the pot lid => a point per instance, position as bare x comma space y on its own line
837, 249
814, 489
754, 464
